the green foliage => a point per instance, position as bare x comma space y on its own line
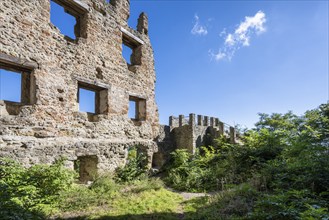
28, 192
291, 204
82, 197
189, 173
281, 171
285, 158
145, 184
234, 203
146, 202
135, 167
107, 198
179, 158
104, 184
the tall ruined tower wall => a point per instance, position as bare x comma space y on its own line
47, 123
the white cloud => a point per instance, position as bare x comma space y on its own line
229, 40
198, 28
223, 54
256, 23
222, 33
241, 36
249, 26
217, 56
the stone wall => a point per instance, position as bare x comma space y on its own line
189, 132
165, 146
49, 124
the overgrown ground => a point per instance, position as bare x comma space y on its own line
280, 171
109, 200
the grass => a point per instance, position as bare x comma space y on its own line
146, 202
149, 199
106, 199
234, 203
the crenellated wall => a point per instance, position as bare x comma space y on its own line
189, 132
46, 123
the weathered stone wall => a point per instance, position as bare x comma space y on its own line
51, 125
183, 138
189, 133
165, 146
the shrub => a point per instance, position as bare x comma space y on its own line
28, 192
135, 167
189, 173
104, 184
235, 203
292, 204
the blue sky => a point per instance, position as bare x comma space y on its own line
285, 67
212, 60
10, 86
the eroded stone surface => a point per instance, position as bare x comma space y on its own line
190, 133
51, 125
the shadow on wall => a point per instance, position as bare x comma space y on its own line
86, 166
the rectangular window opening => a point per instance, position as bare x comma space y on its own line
87, 101
131, 51
137, 109
66, 19
92, 99
127, 53
15, 87
132, 110
10, 85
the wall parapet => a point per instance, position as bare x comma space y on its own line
204, 121
190, 133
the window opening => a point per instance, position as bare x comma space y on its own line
132, 109
87, 100
92, 99
16, 88
66, 19
131, 51
10, 85
15, 84
127, 53
137, 108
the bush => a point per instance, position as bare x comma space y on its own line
292, 204
80, 197
135, 167
189, 173
28, 192
235, 203
104, 184
285, 158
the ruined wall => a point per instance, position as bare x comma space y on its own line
50, 124
165, 146
189, 132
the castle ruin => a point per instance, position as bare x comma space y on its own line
46, 123
190, 133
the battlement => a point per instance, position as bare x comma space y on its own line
202, 121
56, 67
190, 132
193, 119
